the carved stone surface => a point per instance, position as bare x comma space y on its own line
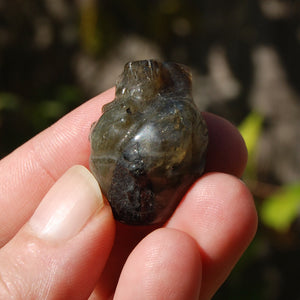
149, 145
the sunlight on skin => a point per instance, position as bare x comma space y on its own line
220, 237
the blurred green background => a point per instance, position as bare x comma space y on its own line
245, 59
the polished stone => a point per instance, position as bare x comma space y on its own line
149, 146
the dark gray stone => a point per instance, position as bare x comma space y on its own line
149, 145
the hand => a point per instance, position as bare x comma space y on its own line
59, 241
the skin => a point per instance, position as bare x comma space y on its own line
189, 257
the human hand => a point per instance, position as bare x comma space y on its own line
71, 248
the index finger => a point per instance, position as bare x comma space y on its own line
28, 172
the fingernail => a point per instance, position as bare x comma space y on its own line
68, 205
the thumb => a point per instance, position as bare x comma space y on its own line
61, 252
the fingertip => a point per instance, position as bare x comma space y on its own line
219, 213
67, 206
249, 212
65, 244
165, 265
217, 202
227, 151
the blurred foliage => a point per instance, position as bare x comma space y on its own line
281, 209
8, 101
49, 51
251, 129
90, 35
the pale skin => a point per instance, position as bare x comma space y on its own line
86, 254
